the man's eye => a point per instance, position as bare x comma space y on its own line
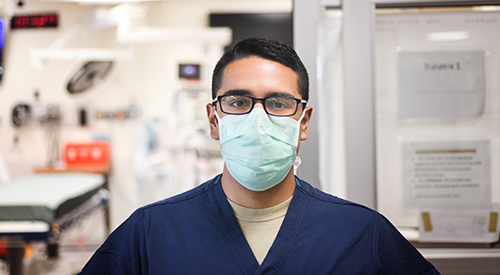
280, 103
237, 103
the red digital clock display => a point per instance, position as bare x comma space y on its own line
34, 21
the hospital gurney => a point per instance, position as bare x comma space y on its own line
39, 207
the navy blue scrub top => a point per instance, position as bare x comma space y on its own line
198, 233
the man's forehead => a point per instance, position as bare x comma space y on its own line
251, 75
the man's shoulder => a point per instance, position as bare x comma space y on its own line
330, 201
352, 217
189, 197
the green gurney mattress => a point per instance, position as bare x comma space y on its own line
46, 197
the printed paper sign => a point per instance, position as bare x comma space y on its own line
477, 225
441, 84
446, 174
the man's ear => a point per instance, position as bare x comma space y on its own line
212, 120
305, 122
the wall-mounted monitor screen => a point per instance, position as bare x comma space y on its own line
189, 71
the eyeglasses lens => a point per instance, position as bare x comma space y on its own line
240, 104
235, 104
281, 106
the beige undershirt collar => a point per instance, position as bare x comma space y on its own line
260, 226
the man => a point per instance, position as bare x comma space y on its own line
257, 217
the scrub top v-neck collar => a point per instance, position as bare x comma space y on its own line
237, 242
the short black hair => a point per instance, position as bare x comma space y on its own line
269, 49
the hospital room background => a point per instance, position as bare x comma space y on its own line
118, 88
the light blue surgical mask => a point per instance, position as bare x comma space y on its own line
259, 150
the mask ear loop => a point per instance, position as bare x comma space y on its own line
217, 115
299, 122
302, 116
297, 161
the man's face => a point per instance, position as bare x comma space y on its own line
259, 78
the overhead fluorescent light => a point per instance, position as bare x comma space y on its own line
486, 8
448, 36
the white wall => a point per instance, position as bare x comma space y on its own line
19, 83
149, 80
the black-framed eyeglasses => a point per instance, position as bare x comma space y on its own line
273, 105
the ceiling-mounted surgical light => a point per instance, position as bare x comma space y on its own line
448, 36
486, 8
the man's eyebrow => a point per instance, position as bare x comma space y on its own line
279, 94
237, 92
246, 92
